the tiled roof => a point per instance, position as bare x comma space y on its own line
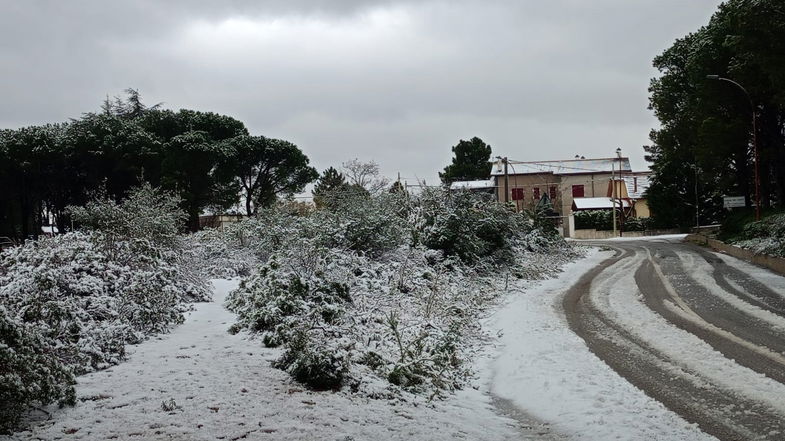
637, 184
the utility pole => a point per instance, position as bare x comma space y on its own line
697, 207
613, 195
506, 182
621, 202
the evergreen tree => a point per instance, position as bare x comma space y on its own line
266, 168
706, 131
397, 187
331, 182
471, 162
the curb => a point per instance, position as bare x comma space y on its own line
776, 264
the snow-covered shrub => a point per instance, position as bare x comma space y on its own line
218, 254
286, 292
470, 226
313, 363
30, 374
766, 236
363, 223
148, 216
85, 295
269, 231
383, 294
142, 232
291, 300
89, 305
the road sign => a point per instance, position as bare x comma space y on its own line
733, 201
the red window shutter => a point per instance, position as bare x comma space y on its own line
517, 194
577, 191
536, 192
553, 192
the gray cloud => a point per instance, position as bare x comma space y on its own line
397, 82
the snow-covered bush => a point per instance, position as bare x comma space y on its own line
363, 223
470, 226
283, 293
218, 254
383, 294
766, 236
30, 373
148, 216
313, 362
85, 295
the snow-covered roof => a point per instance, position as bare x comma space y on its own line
472, 185
637, 184
567, 167
602, 203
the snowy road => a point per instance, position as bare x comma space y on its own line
700, 332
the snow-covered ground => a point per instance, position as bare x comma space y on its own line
547, 370
201, 383
539, 381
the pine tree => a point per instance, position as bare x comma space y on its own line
331, 182
471, 162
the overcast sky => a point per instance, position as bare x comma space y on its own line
397, 82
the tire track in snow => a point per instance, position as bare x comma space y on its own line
719, 410
731, 279
727, 323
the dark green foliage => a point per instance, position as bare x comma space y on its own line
30, 374
359, 222
741, 225
597, 219
472, 227
205, 158
330, 183
273, 300
707, 124
266, 168
602, 220
471, 162
312, 364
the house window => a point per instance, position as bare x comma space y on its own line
577, 191
552, 191
517, 194
536, 192
635, 184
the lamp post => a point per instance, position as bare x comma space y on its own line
697, 201
754, 138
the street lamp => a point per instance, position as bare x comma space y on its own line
754, 138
